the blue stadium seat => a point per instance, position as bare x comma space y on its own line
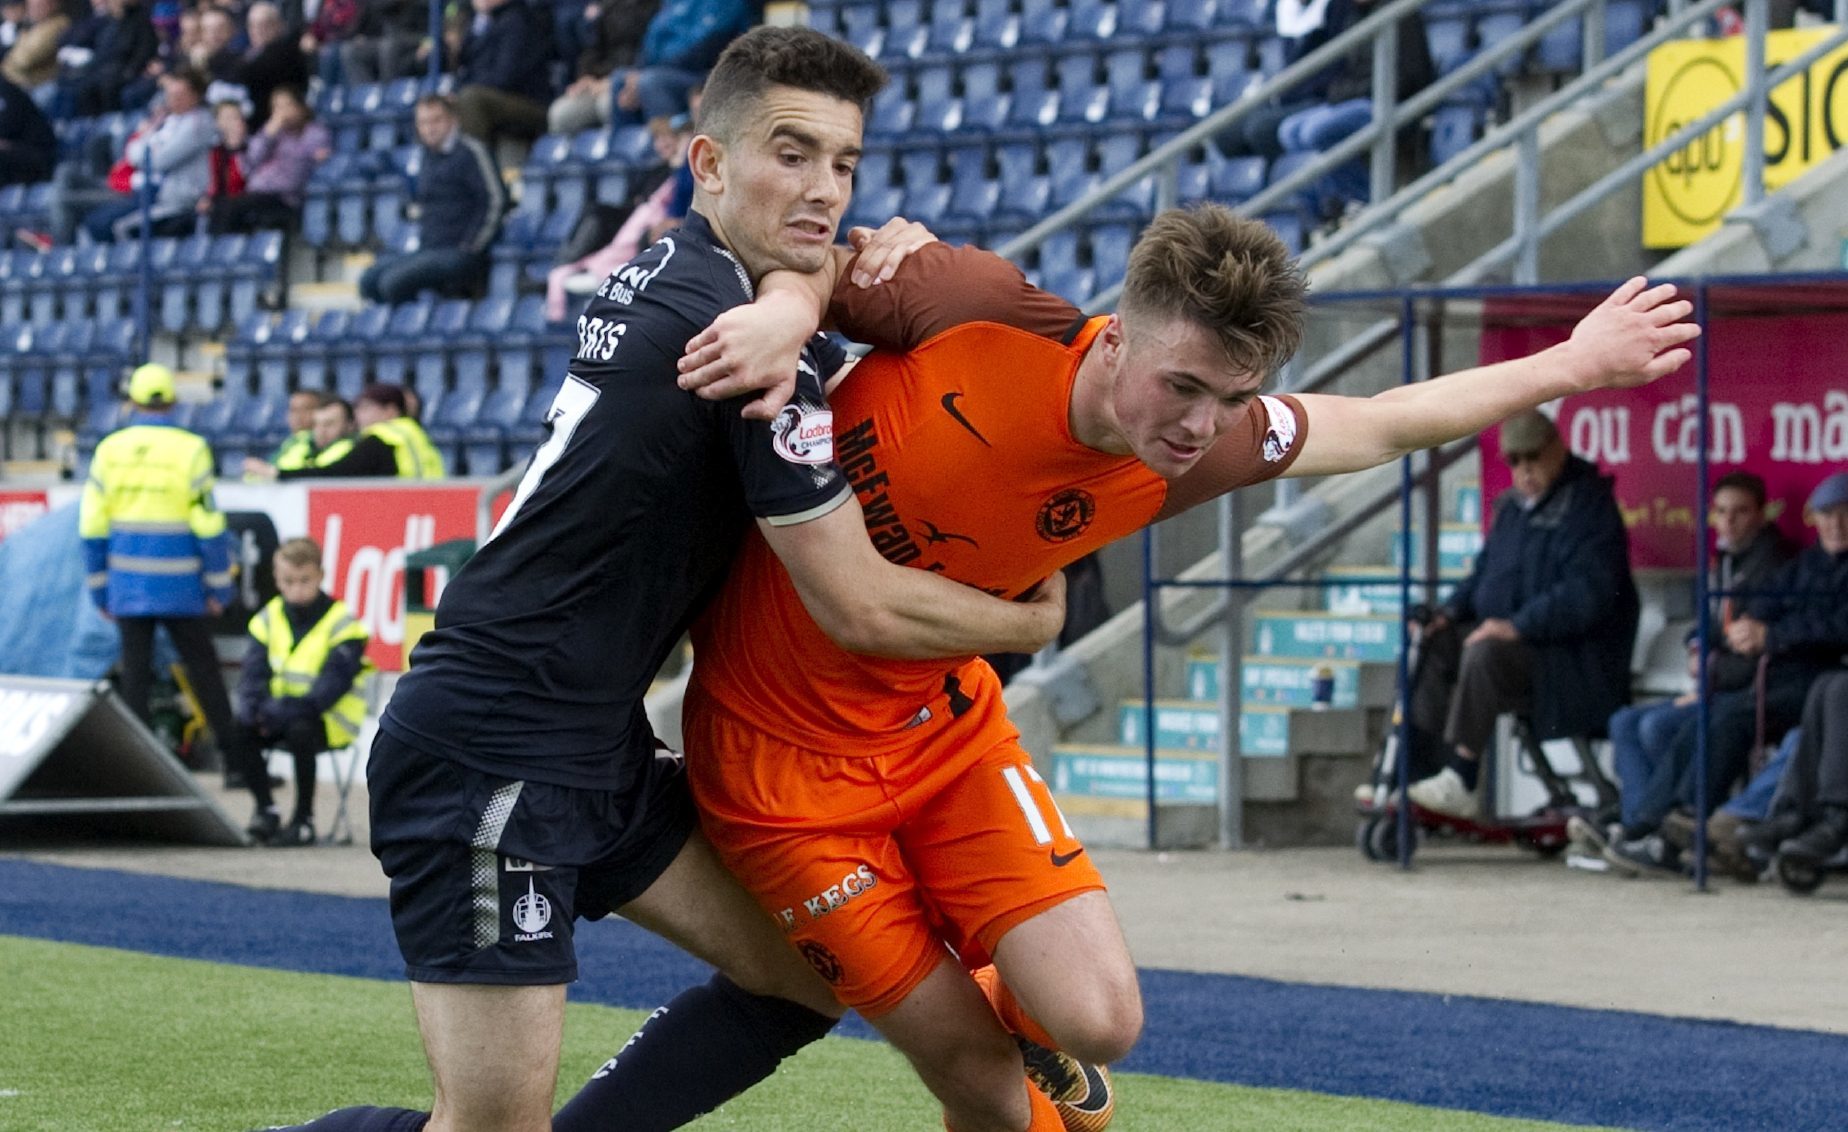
874, 169
314, 358
258, 268
1025, 191
997, 26
352, 355
860, 25
41, 291
937, 108
1189, 18
431, 354
1082, 97
892, 113
114, 282
177, 287
1493, 27
1132, 95
450, 418
275, 354
1238, 179
484, 439
1290, 228
875, 207
951, 28
1187, 99
1042, 21
920, 163
1454, 127
1094, 19
1110, 245
393, 353
530, 429
240, 370
213, 283
1242, 14
974, 191
1448, 37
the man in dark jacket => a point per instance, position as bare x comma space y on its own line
1796, 627
274, 60
502, 77
460, 201
1554, 610
93, 79
28, 148
1749, 550
613, 40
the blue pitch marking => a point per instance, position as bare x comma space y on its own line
1483, 1055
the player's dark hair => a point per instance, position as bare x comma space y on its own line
1227, 273
300, 552
1751, 483
797, 57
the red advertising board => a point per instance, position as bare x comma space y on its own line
364, 535
1779, 408
17, 508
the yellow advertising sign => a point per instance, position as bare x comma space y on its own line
1685, 197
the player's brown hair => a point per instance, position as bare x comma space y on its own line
1228, 273
797, 57
302, 552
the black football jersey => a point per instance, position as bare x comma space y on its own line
622, 527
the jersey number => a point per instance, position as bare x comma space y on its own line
1031, 808
569, 408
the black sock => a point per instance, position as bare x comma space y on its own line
691, 1056
1466, 769
365, 1120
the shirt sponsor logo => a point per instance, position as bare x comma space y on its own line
835, 896
630, 281
803, 435
1280, 436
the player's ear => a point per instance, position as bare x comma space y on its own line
705, 155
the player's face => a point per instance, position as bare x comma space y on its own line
779, 189
1737, 517
1175, 393
297, 584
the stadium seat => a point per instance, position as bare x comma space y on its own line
996, 27
1024, 191
257, 269
431, 352
1238, 179
1454, 127
351, 355
1097, 19
1182, 17
450, 418
240, 358
874, 169
530, 429
314, 363
951, 29
974, 192
1042, 21
393, 352
1241, 14
1110, 245
177, 291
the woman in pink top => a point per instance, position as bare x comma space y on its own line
278, 161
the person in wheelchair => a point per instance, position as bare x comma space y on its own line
302, 689
1544, 624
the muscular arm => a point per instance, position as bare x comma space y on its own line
1634, 337
868, 605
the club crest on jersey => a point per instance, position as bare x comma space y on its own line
1280, 436
1066, 515
803, 435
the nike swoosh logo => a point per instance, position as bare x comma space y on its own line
949, 406
1060, 860
1098, 1099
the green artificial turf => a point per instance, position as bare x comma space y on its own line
98, 1040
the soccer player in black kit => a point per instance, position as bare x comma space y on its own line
515, 784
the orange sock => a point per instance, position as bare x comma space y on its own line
1045, 1117
1008, 1008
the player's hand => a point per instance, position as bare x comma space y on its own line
750, 349
1048, 599
1635, 336
882, 249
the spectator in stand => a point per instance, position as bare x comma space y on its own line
390, 443
32, 61
682, 43
615, 30
1814, 788
278, 161
91, 79
502, 72
643, 227
28, 147
1749, 549
1796, 628
334, 23
385, 45
226, 163
177, 138
298, 450
215, 55
273, 60
1553, 610
156, 547
460, 201
1335, 103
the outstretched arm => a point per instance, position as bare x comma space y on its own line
868, 605
1632, 338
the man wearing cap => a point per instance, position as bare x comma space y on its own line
155, 547
1797, 627
390, 443
1553, 608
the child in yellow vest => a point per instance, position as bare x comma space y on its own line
302, 688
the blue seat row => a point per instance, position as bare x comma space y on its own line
200, 283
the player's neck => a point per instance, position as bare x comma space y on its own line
1090, 414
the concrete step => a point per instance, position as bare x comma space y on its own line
1377, 594
315, 298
